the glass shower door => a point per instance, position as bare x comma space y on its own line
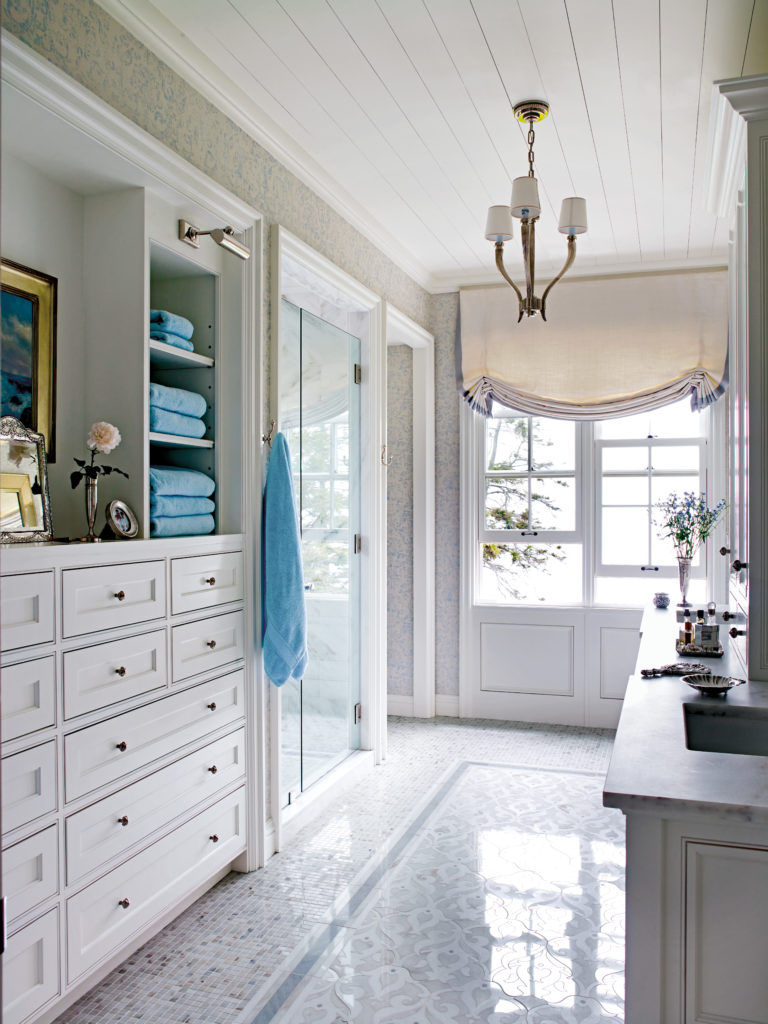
320, 417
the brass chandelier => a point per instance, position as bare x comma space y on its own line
526, 207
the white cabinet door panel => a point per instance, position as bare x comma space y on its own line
112, 595
29, 697
96, 677
29, 785
206, 581
107, 913
26, 610
31, 871
31, 969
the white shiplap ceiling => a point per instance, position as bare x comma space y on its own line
399, 113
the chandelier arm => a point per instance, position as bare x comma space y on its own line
566, 267
507, 278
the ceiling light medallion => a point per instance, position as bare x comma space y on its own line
526, 207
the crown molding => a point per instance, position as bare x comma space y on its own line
176, 50
735, 102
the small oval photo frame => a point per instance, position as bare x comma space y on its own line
121, 519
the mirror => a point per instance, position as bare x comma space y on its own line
25, 508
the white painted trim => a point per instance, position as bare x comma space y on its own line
143, 20
401, 330
469, 531
399, 705
447, 705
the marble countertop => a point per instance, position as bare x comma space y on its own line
652, 770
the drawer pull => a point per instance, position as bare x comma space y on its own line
122, 745
125, 903
211, 706
734, 632
214, 838
120, 671
210, 643
120, 595
123, 821
211, 580
213, 769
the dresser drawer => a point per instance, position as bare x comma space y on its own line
29, 785
31, 969
205, 581
107, 913
108, 828
112, 595
31, 871
26, 610
105, 752
29, 697
207, 644
95, 677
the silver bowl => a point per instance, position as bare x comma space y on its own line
715, 686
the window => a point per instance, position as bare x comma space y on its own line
567, 509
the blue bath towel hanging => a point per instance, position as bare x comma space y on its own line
284, 617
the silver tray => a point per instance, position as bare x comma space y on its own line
713, 685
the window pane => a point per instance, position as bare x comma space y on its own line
316, 448
625, 490
506, 443
663, 486
679, 458
671, 421
638, 589
326, 564
553, 503
506, 503
340, 504
625, 536
553, 444
341, 447
531, 573
315, 504
629, 459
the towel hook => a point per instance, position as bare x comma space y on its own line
384, 460
267, 438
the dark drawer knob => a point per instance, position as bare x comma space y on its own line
737, 565
211, 706
122, 745
120, 671
120, 595
123, 821
211, 580
734, 632
727, 615
214, 838
213, 769
124, 903
210, 643
725, 551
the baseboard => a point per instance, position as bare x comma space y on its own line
397, 705
447, 705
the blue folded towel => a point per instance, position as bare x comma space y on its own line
176, 505
188, 403
284, 616
180, 526
171, 339
164, 422
187, 482
172, 322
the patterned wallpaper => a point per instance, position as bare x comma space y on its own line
81, 39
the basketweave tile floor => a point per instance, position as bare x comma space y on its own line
473, 877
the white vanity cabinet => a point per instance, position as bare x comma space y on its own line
125, 751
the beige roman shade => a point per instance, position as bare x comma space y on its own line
610, 346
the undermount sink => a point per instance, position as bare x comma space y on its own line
726, 730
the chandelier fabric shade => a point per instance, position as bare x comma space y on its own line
613, 346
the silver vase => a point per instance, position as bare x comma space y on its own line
91, 504
684, 575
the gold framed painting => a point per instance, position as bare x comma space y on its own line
28, 355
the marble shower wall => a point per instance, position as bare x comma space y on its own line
85, 42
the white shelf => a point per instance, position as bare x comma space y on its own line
168, 357
177, 441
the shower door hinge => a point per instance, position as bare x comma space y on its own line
358, 713
358, 543
293, 796
358, 373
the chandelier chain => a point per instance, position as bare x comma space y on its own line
531, 138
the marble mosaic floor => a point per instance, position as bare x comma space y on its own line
452, 884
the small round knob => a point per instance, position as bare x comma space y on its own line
727, 615
213, 769
211, 706
125, 903
214, 838
122, 745
123, 821
734, 632
120, 595
725, 551
210, 643
737, 565
211, 580
120, 671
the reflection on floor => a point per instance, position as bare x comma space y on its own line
439, 889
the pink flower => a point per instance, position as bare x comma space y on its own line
103, 437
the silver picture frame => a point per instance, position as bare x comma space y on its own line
25, 505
